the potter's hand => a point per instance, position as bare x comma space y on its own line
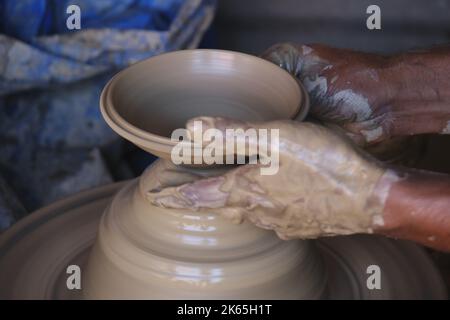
323, 185
372, 97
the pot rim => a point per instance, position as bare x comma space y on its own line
156, 142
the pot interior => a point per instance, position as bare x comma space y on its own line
160, 94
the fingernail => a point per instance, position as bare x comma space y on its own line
168, 198
203, 193
200, 124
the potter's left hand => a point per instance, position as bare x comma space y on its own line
323, 186
372, 97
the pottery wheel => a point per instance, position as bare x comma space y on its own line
35, 253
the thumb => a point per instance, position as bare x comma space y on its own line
201, 124
302, 61
286, 56
236, 137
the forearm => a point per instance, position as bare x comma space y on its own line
420, 82
417, 208
423, 75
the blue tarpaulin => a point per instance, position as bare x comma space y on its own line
52, 137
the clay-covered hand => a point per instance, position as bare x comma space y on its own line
370, 96
323, 186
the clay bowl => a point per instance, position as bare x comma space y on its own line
147, 101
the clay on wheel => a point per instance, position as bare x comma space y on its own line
146, 252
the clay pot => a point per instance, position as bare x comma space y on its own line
147, 101
143, 251
147, 252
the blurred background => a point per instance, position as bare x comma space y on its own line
53, 141
258, 24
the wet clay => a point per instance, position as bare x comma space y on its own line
324, 186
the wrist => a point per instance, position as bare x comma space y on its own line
379, 197
418, 99
386, 189
417, 208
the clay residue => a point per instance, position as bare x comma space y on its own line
352, 104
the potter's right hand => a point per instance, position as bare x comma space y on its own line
323, 185
369, 96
